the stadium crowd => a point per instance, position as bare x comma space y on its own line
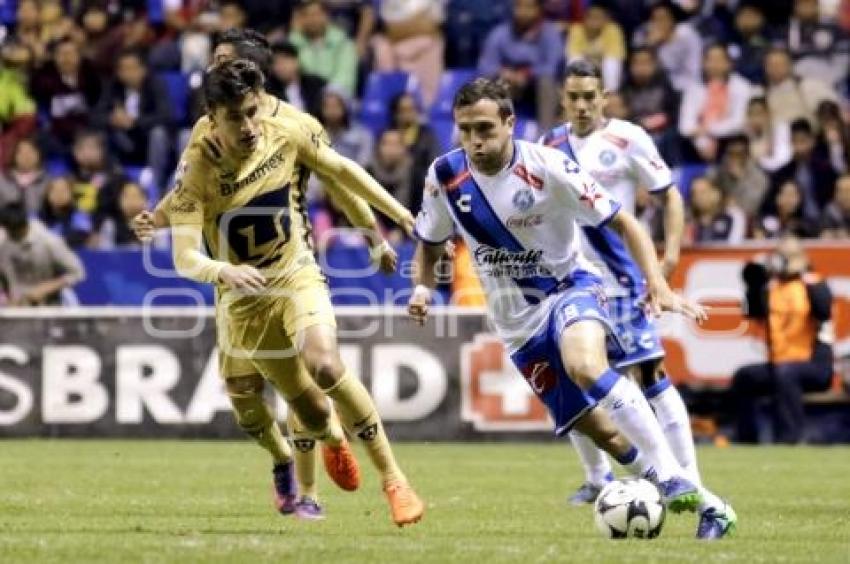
746, 99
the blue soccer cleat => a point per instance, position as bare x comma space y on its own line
714, 524
285, 490
588, 492
309, 509
679, 494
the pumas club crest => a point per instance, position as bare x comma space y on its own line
523, 200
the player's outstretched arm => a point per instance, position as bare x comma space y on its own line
674, 228
351, 176
425, 261
661, 297
191, 263
360, 215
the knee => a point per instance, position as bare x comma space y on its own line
585, 370
325, 367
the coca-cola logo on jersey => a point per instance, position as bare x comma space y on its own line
524, 221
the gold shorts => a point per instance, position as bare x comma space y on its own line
257, 335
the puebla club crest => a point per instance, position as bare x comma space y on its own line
523, 200
607, 158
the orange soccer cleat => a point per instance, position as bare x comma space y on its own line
341, 466
405, 505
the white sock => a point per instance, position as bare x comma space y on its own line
637, 464
673, 417
625, 403
597, 469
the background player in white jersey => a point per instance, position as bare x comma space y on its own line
621, 157
516, 205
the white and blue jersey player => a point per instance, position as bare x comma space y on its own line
518, 207
621, 157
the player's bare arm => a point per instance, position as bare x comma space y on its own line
322, 159
661, 297
674, 227
425, 260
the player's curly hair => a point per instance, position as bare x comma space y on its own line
248, 44
485, 89
228, 83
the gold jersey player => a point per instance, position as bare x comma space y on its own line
235, 196
245, 390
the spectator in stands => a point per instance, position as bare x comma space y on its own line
17, 109
652, 101
288, 82
791, 97
185, 42
93, 170
678, 45
526, 52
61, 216
28, 30
739, 176
834, 134
750, 42
713, 219
391, 166
468, 22
716, 106
412, 42
348, 137
35, 264
600, 40
357, 19
67, 89
104, 38
115, 228
836, 216
615, 106
136, 113
770, 139
421, 142
795, 303
231, 15
784, 213
820, 49
323, 48
810, 168
25, 180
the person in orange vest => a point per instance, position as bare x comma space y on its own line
795, 303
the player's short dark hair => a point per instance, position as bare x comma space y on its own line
485, 89
133, 52
285, 48
228, 83
249, 44
802, 125
583, 68
13, 216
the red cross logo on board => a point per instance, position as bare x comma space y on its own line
590, 195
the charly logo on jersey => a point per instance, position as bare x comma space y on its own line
607, 157
523, 199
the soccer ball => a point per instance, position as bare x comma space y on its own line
629, 508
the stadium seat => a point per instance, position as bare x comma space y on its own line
156, 13
178, 90
57, 167
450, 83
381, 89
443, 129
8, 9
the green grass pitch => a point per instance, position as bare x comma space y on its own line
169, 501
